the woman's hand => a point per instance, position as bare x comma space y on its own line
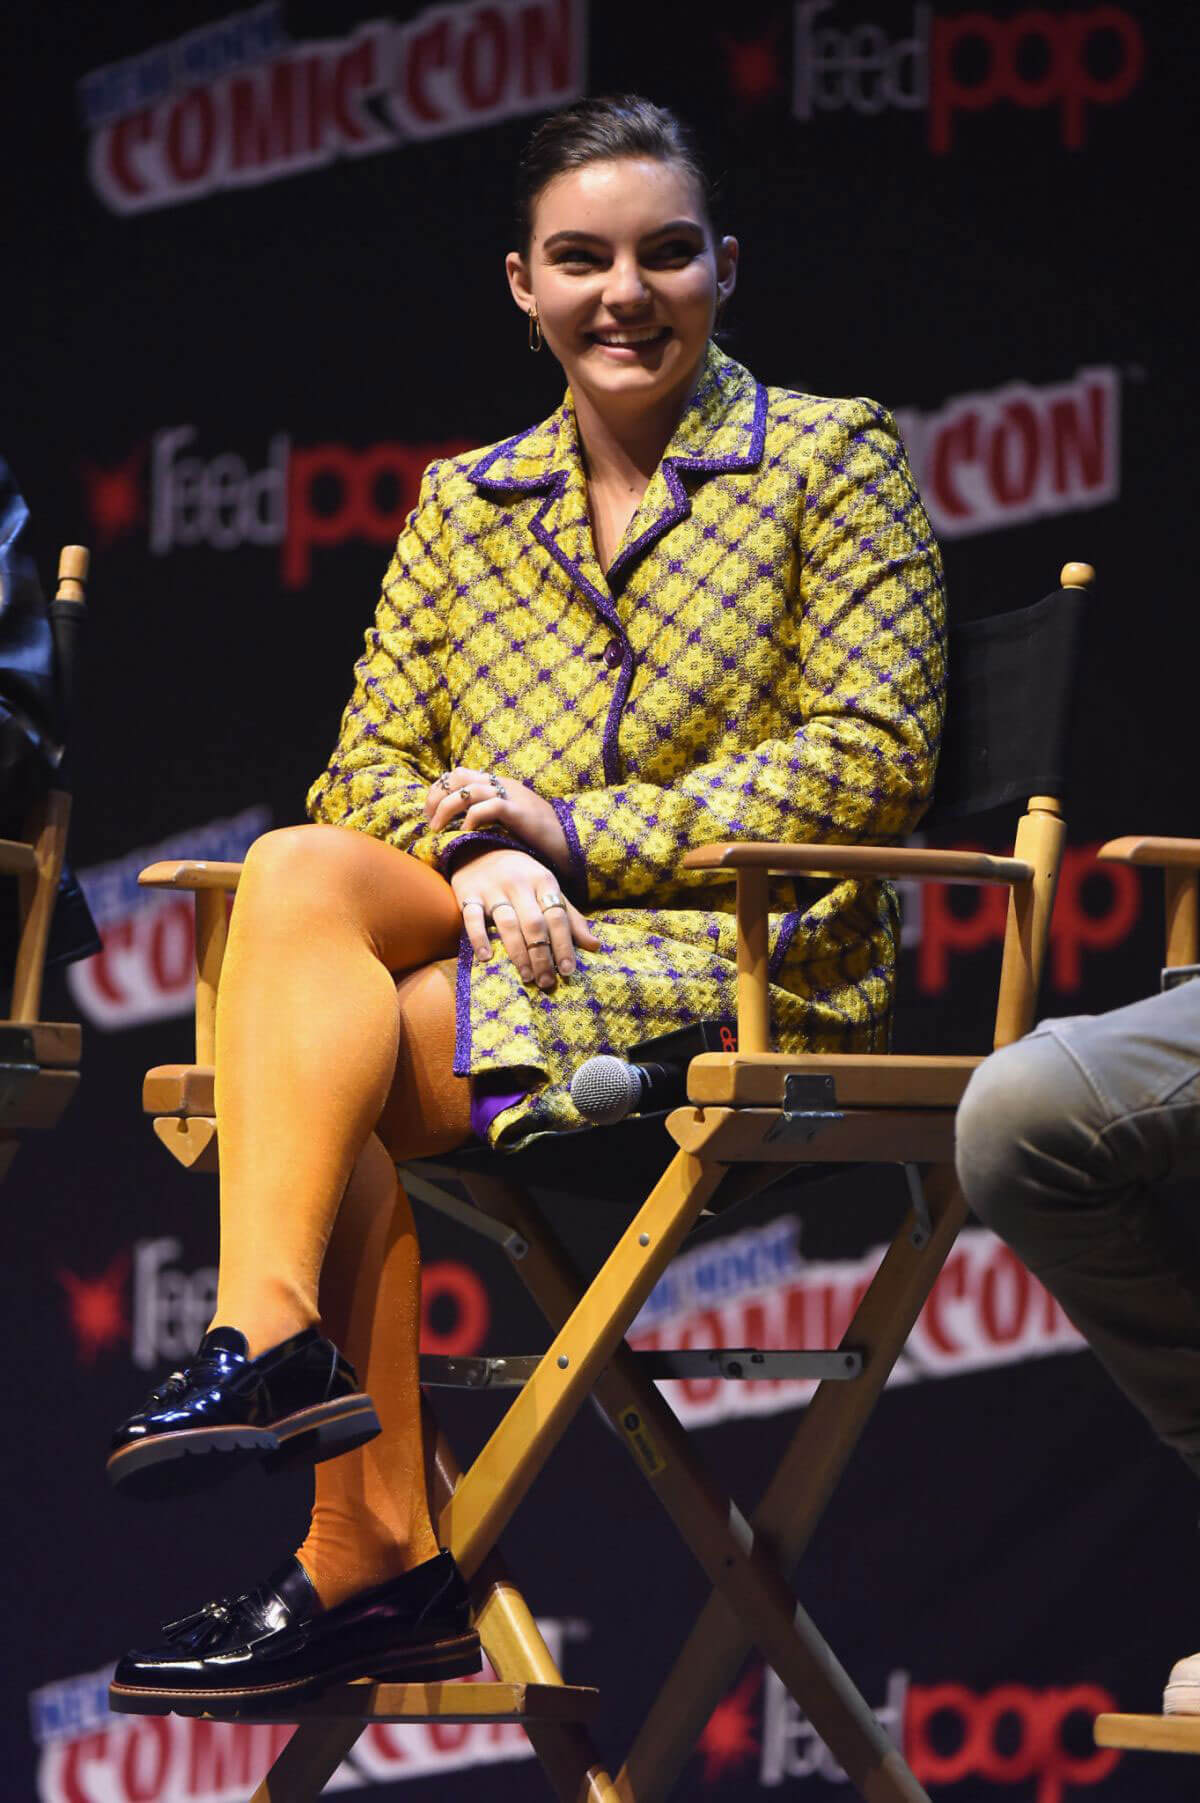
477, 799
538, 926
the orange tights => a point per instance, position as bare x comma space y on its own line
335, 1037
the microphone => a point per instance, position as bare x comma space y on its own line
606, 1089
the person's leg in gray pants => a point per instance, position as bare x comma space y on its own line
1064, 1141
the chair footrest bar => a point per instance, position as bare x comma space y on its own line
455, 1700
1151, 1733
420, 1189
439, 1371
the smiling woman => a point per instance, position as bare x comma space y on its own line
684, 608
620, 271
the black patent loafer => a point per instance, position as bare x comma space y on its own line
261, 1653
298, 1402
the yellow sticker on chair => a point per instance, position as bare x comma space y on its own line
634, 1429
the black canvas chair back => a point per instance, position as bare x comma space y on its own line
1008, 710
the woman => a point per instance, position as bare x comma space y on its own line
683, 608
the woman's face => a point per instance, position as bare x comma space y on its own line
626, 278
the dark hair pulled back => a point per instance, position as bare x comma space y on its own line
597, 130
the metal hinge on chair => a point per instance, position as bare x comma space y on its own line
809, 1103
731, 1362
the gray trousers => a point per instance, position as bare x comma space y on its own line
1066, 1142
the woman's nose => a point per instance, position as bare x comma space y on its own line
625, 286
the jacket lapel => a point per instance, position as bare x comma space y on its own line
545, 460
722, 429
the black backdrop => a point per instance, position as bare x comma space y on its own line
252, 283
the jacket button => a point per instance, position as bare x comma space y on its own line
613, 653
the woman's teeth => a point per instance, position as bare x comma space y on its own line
626, 340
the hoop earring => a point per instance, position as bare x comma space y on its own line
536, 340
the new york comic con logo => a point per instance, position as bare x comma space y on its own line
1069, 63
237, 103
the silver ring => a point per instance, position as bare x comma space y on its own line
444, 782
496, 907
465, 793
551, 899
532, 942
473, 901
498, 786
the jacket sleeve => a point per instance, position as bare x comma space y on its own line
865, 703
395, 732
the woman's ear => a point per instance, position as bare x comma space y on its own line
727, 264
517, 271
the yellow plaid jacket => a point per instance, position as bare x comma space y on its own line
764, 659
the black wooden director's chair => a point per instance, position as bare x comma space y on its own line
39, 1059
751, 1116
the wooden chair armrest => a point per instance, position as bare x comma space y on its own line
1159, 854
16, 857
209, 882
914, 862
199, 874
1179, 861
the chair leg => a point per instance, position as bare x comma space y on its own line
797, 1495
740, 1565
518, 1654
485, 1500
308, 1762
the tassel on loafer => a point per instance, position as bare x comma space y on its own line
298, 1402
261, 1653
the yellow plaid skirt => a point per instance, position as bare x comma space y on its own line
832, 973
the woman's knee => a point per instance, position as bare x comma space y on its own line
1024, 1134
300, 862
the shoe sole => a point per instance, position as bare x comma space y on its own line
456, 1657
173, 1464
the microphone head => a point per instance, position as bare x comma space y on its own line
605, 1089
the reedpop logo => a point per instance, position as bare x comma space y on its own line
968, 63
301, 498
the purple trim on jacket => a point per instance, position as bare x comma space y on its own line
462, 1009
449, 860
787, 932
577, 880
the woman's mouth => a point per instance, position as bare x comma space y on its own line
630, 343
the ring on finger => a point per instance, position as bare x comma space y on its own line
444, 783
498, 786
496, 907
472, 901
551, 899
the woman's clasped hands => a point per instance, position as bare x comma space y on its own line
538, 927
